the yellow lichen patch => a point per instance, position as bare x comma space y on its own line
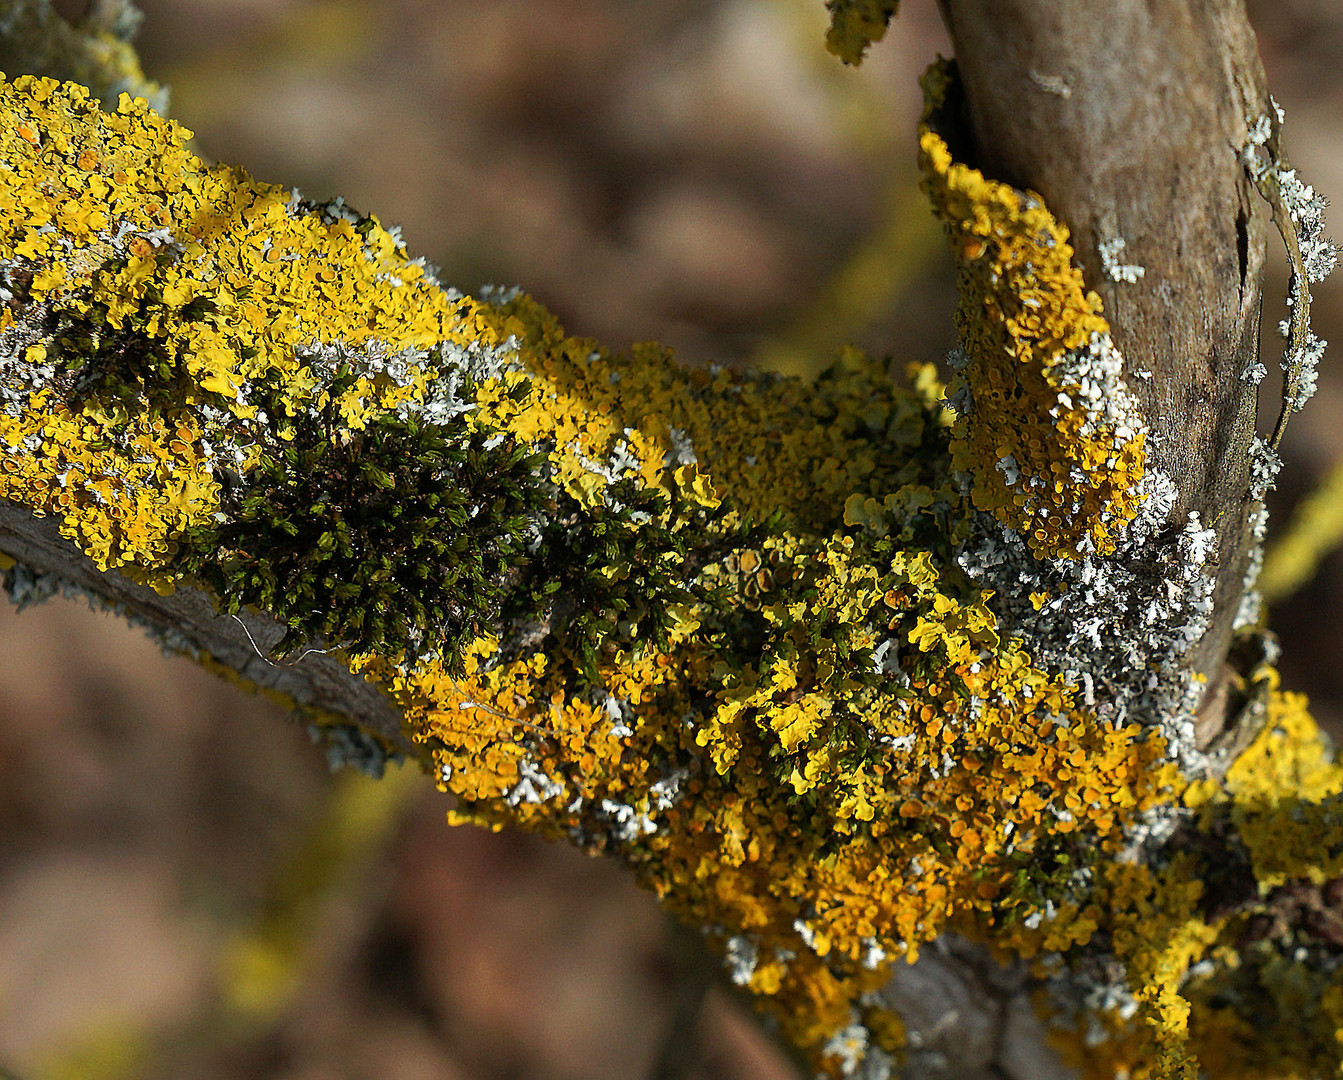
831, 825
1053, 442
762, 683
1230, 967
765, 444
1263, 1002
856, 24
154, 266
1286, 792
157, 484
1160, 934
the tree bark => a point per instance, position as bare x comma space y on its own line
1126, 117
188, 622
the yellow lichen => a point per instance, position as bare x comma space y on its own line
857, 24
1054, 444
1223, 989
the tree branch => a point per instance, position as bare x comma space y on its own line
187, 621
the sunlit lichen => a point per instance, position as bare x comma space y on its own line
1053, 440
716, 625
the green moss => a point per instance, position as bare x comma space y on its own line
394, 539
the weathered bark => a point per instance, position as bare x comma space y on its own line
1127, 117
188, 621
969, 1018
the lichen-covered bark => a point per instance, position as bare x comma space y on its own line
847, 673
95, 50
1128, 121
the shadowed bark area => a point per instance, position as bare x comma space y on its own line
1127, 118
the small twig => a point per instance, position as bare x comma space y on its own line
465, 704
1296, 212
1270, 190
256, 649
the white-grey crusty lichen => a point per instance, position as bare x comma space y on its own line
351, 747
1264, 468
1298, 211
1117, 626
1121, 626
1110, 252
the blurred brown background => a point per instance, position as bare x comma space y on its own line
693, 171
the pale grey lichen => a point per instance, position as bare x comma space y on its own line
26, 587
858, 1058
625, 823
667, 792
21, 373
1110, 252
740, 956
1298, 211
1264, 468
533, 785
620, 713
1118, 626
682, 450
350, 747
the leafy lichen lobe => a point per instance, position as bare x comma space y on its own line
1052, 439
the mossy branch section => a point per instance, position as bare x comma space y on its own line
710, 624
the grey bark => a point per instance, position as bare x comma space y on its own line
188, 622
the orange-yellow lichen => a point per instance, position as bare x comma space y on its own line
833, 820
1285, 791
1219, 988
1055, 447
